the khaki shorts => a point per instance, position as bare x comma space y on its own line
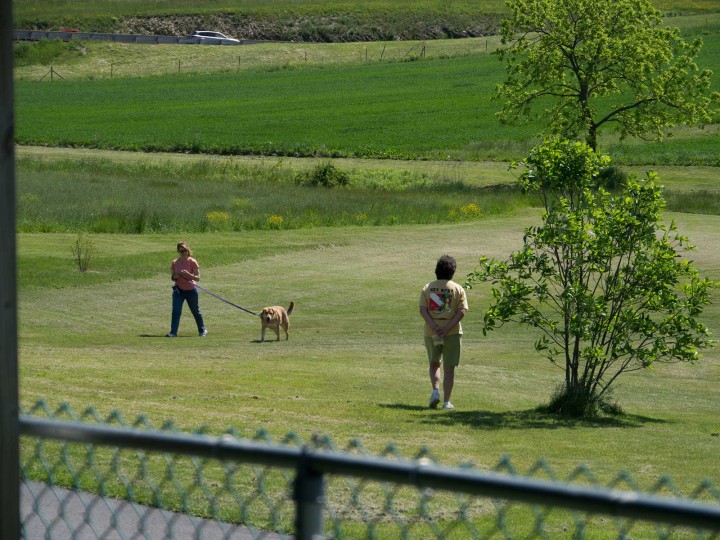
449, 351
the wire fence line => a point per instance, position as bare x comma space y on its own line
276, 57
87, 477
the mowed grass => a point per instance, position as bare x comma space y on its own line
354, 366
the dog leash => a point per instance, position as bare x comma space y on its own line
221, 299
226, 301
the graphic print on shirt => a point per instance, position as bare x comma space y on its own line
440, 301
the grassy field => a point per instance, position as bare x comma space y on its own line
315, 21
58, 9
353, 258
354, 365
99, 60
432, 108
103, 60
89, 338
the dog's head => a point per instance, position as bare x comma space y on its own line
267, 314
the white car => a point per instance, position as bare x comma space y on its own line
207, 36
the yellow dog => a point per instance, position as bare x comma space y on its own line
275, 317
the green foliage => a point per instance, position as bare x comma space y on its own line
324, 174
566, 402
45, 52
602, 280
612, 178
588, 64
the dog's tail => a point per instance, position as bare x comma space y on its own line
292, 306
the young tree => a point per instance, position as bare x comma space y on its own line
582, 65
601, 280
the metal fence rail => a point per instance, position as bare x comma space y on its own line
323, 509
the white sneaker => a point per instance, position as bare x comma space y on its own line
203, 333
170, 334
434, 399
448, 405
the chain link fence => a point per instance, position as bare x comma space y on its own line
85, 476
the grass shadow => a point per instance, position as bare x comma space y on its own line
526, 419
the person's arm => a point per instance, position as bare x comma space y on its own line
194, 275
425, 313
173, 275
452, 322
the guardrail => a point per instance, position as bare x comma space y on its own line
313, 467
37, 35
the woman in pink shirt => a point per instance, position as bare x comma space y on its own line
185, 272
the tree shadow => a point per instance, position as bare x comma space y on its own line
527, 419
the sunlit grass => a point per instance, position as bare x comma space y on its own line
141, 197
439, 109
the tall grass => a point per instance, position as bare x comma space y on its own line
214, 196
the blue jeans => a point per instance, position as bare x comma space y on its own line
178, 298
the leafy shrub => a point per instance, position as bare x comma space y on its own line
45, 52
612, 178
324, 174
569, 403
83, 250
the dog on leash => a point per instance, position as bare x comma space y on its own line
274, 317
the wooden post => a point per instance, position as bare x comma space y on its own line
9, 425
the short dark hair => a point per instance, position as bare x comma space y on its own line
445, 267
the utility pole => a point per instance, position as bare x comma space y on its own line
9, 423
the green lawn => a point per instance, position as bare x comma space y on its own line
354, 365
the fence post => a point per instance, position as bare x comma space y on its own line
308, 493
9, 421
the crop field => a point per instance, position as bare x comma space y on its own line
436, 108
134, 164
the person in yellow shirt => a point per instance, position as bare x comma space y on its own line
443, 304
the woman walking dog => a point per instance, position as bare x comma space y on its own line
185, 271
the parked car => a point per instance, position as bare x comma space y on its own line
210, 37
